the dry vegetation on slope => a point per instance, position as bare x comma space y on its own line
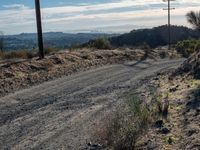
163, 115
166, 117
29, 72
182, 91
182, 122
191, 66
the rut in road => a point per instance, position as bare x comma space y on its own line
59, 114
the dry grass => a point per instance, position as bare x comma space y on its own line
1, 55
50, 50
132, 128
173, 97
122, 129
23, 54
17, 54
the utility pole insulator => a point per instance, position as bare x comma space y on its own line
39, 29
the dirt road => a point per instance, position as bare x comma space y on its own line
58, 114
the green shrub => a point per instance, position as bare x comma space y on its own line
123, 128
187, 47
147, 50
1, 55
146, 46
18, 54
75, 47
101, 43
139, 111
50, 50
163, 54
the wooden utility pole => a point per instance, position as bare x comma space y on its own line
169, 21
39, 29
1, 41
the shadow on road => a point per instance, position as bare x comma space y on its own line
141, 64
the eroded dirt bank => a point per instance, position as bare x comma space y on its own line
180, 129
14, 77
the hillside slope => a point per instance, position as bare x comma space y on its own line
181, 128
15, 76
153, 37
191, 66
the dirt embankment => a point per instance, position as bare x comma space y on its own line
191, 66
16, 76
180, 129
181, 90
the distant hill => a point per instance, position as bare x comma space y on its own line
28, 41
154, 37
157, 36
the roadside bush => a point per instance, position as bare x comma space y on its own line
1, 55
147, 50
139, 110
75, 47
101, 43
145, 46
124, 127
50, 50
187, 47
17, 54
163, 54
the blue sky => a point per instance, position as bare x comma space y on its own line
18, 16
53, 3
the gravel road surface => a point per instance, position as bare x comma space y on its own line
59, 114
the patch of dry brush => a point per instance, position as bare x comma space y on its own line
19, 75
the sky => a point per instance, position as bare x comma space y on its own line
112, 16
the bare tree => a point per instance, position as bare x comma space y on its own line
1, 41
194, 19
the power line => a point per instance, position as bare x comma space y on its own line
169, 21
39, 29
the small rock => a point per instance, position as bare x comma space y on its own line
92, 146
9, 74
159, 74
197, 112
179, 102
191, 132
170, 141
151, 145
159, 124
156, 79
173, 89
165, 131
143, 95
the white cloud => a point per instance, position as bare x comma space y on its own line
137, 12
15, 6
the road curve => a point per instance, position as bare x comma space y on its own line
58, 114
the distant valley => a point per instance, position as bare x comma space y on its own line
28, 41
154, 37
